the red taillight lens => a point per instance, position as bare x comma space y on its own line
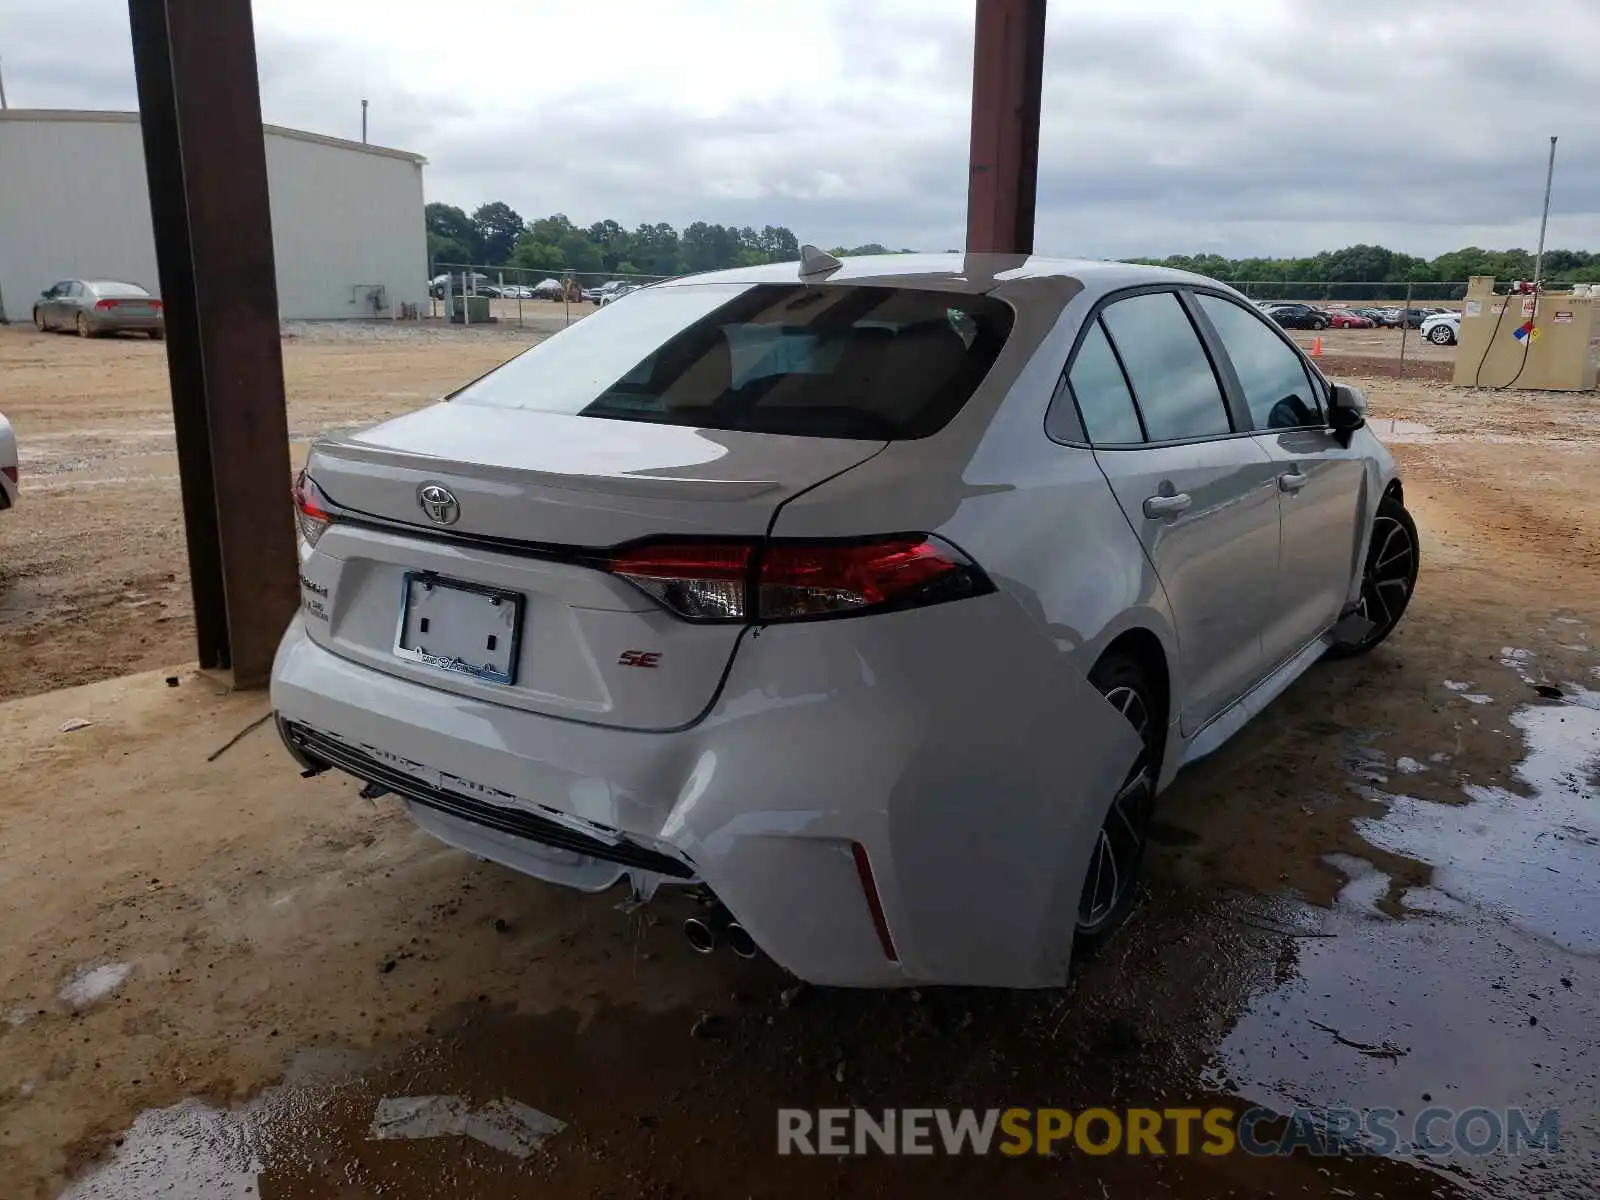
701, 581
9, 472
156, 304
312, 510
810, 579
104, 304
788, 581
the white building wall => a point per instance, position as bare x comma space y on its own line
74, 203
343, 223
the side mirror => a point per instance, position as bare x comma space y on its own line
1347, 411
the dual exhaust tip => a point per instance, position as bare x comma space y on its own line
718, 928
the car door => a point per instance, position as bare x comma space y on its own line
1320, 482
1196, 489
51, 302
73, 302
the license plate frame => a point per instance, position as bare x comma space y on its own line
425, 597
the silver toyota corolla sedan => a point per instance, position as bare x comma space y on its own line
96, 306
875, 601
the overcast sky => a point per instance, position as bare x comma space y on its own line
1234, 126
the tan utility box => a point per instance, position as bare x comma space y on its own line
1563, 356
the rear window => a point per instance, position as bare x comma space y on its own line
876, 363
128, 290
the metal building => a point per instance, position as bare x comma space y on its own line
347, 227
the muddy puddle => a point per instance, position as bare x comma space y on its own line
1486, 993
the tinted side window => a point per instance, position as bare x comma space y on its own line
1172, 378
1109, 417
1273, 377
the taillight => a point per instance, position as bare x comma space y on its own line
9, 472
312, 510
701, 581
104, 304
795, 580
156, 304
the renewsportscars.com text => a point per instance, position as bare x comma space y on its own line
1166, 1131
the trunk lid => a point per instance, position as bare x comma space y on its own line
537, 495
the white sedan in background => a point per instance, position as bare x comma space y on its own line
8, 465
1442, 329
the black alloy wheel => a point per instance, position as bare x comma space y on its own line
1110, 882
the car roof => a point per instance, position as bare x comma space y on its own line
961, 273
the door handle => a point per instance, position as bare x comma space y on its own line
1156, 507
1293, 481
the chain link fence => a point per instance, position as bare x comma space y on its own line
464, 294
1370, 328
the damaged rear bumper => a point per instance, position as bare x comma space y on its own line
894, 775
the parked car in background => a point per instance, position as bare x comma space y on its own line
549, 289
608, 290
96, 306
699, 592
1375, 315
478, 282
8, 465
1411, 318
1442, 329
617, 293
1298, 316
1345, 318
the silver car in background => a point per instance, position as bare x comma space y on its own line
875, 601
96, 306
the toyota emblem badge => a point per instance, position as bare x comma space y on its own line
439, 503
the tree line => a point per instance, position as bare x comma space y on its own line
495, 235
1378, 264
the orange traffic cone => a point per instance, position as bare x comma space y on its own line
1316, 346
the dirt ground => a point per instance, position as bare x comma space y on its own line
93, 575
1384, 891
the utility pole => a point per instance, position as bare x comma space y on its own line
1007, 90
3, 105
1544, 220
363, 120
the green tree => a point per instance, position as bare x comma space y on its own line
614, 243
450, 234
496, 227
535, 255
657, 251
552, 229
779, 244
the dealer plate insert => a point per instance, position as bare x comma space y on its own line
459, 627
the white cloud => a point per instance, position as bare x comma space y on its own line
1235, 126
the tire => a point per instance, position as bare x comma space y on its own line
83, 326
1389, 577
39, 322
1110, 885
1441, 335
1319, 324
